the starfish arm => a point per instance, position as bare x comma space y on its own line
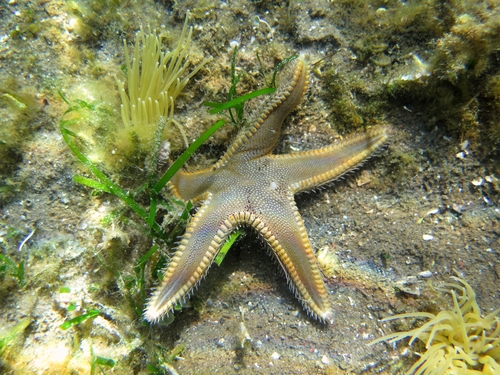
198, 246
263, 134
283, 229
191, 185
309, 169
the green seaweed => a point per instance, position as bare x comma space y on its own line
235, 105
108, 362
227, 245
163, 359
186, 155
91, 313
8, 336
98, 361
107, 185
9, 267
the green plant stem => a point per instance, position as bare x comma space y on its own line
91, 313
185, 156
219, 107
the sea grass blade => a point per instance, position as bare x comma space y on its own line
91, 183
227, 245
185, 156
235, 102
79, 319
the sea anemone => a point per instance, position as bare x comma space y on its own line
154, 81
458, 341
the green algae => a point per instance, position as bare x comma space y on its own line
444, 78
91, 313
10, 268
8, 336
18, 108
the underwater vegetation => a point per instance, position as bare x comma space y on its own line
434, 58
8, 335
18, 108
9, 267
451, 79
457, 341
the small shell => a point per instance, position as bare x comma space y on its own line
425, 274
477, 182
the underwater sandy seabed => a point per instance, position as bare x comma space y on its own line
422, 210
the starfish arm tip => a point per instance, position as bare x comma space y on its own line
156, 308
151, 315
328, 317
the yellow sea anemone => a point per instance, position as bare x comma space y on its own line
458, 341
154, 81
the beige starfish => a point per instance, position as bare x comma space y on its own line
249, 186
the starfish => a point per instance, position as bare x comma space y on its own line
250, 186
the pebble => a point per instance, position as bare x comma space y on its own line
458, 208
477, 182
433, 211
425, 274
275, 356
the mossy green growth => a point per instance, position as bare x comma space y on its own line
351, 104
403, 165
9, 267
392, 24
90, 16
492, 113
427, 56
9, 335
452, 81
343, 109
17, 110
28, 24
